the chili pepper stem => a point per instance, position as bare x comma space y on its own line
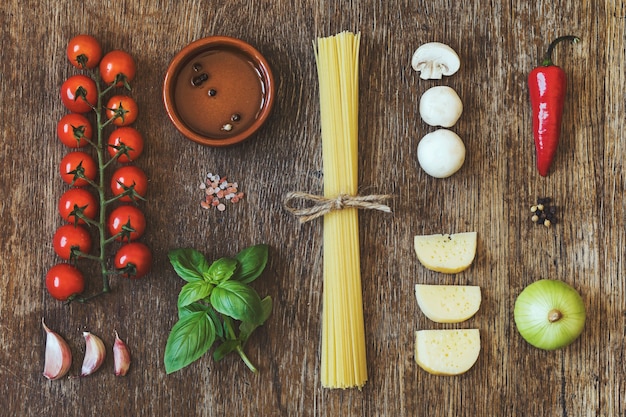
547, 59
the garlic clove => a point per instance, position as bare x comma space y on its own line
121, 356
94, 354
58, 357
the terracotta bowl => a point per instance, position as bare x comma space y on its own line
218, 91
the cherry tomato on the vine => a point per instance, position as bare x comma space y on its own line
75, 201
126, 140
122, 109
133, 260
64, 281
71, 236
118, 65
127, 177
76, 166
79, 93
124, 218
84, 51
74, 130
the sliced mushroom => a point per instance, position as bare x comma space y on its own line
434, 59
440, 106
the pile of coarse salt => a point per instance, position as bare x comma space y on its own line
218, 191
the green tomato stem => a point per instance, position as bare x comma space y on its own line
101, 195
99, 186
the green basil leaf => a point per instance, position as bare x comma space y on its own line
224, 349
190, 338
221, 270
189, 264
192, 308
252, 261
219, 329
246, 328
266, 306
237, 300
194, 291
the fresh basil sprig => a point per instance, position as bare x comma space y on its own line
215, 299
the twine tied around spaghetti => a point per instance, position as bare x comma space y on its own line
320, 205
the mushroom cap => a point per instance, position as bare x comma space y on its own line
441, 153
440, 106
434, 59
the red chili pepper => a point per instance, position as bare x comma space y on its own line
547, 84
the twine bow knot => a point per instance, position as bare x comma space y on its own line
320, 205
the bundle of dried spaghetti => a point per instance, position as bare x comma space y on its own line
343, 334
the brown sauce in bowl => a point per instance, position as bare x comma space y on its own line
219, 93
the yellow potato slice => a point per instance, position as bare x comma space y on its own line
448, 253
448, 303
447, 352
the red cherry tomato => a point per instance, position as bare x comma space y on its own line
73, 129
126, 177
124, 217
75, 163
84, 51
126, 140
122, 109
75, 90
68, 237
77, 200
133, 260
117, 64
64, 281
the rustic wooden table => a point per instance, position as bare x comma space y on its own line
498, 42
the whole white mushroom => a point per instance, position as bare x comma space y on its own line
441, 153
440, 106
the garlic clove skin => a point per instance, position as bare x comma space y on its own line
121, 356
58, 357
94, 354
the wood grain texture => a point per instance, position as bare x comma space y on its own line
498, 42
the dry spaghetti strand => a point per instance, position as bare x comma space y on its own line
343, 334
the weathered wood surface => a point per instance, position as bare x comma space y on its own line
499, 42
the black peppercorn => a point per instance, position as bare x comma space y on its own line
199, 79
543, 213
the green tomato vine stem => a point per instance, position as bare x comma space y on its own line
106, 286
99, 186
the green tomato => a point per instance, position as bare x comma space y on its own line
549, 314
